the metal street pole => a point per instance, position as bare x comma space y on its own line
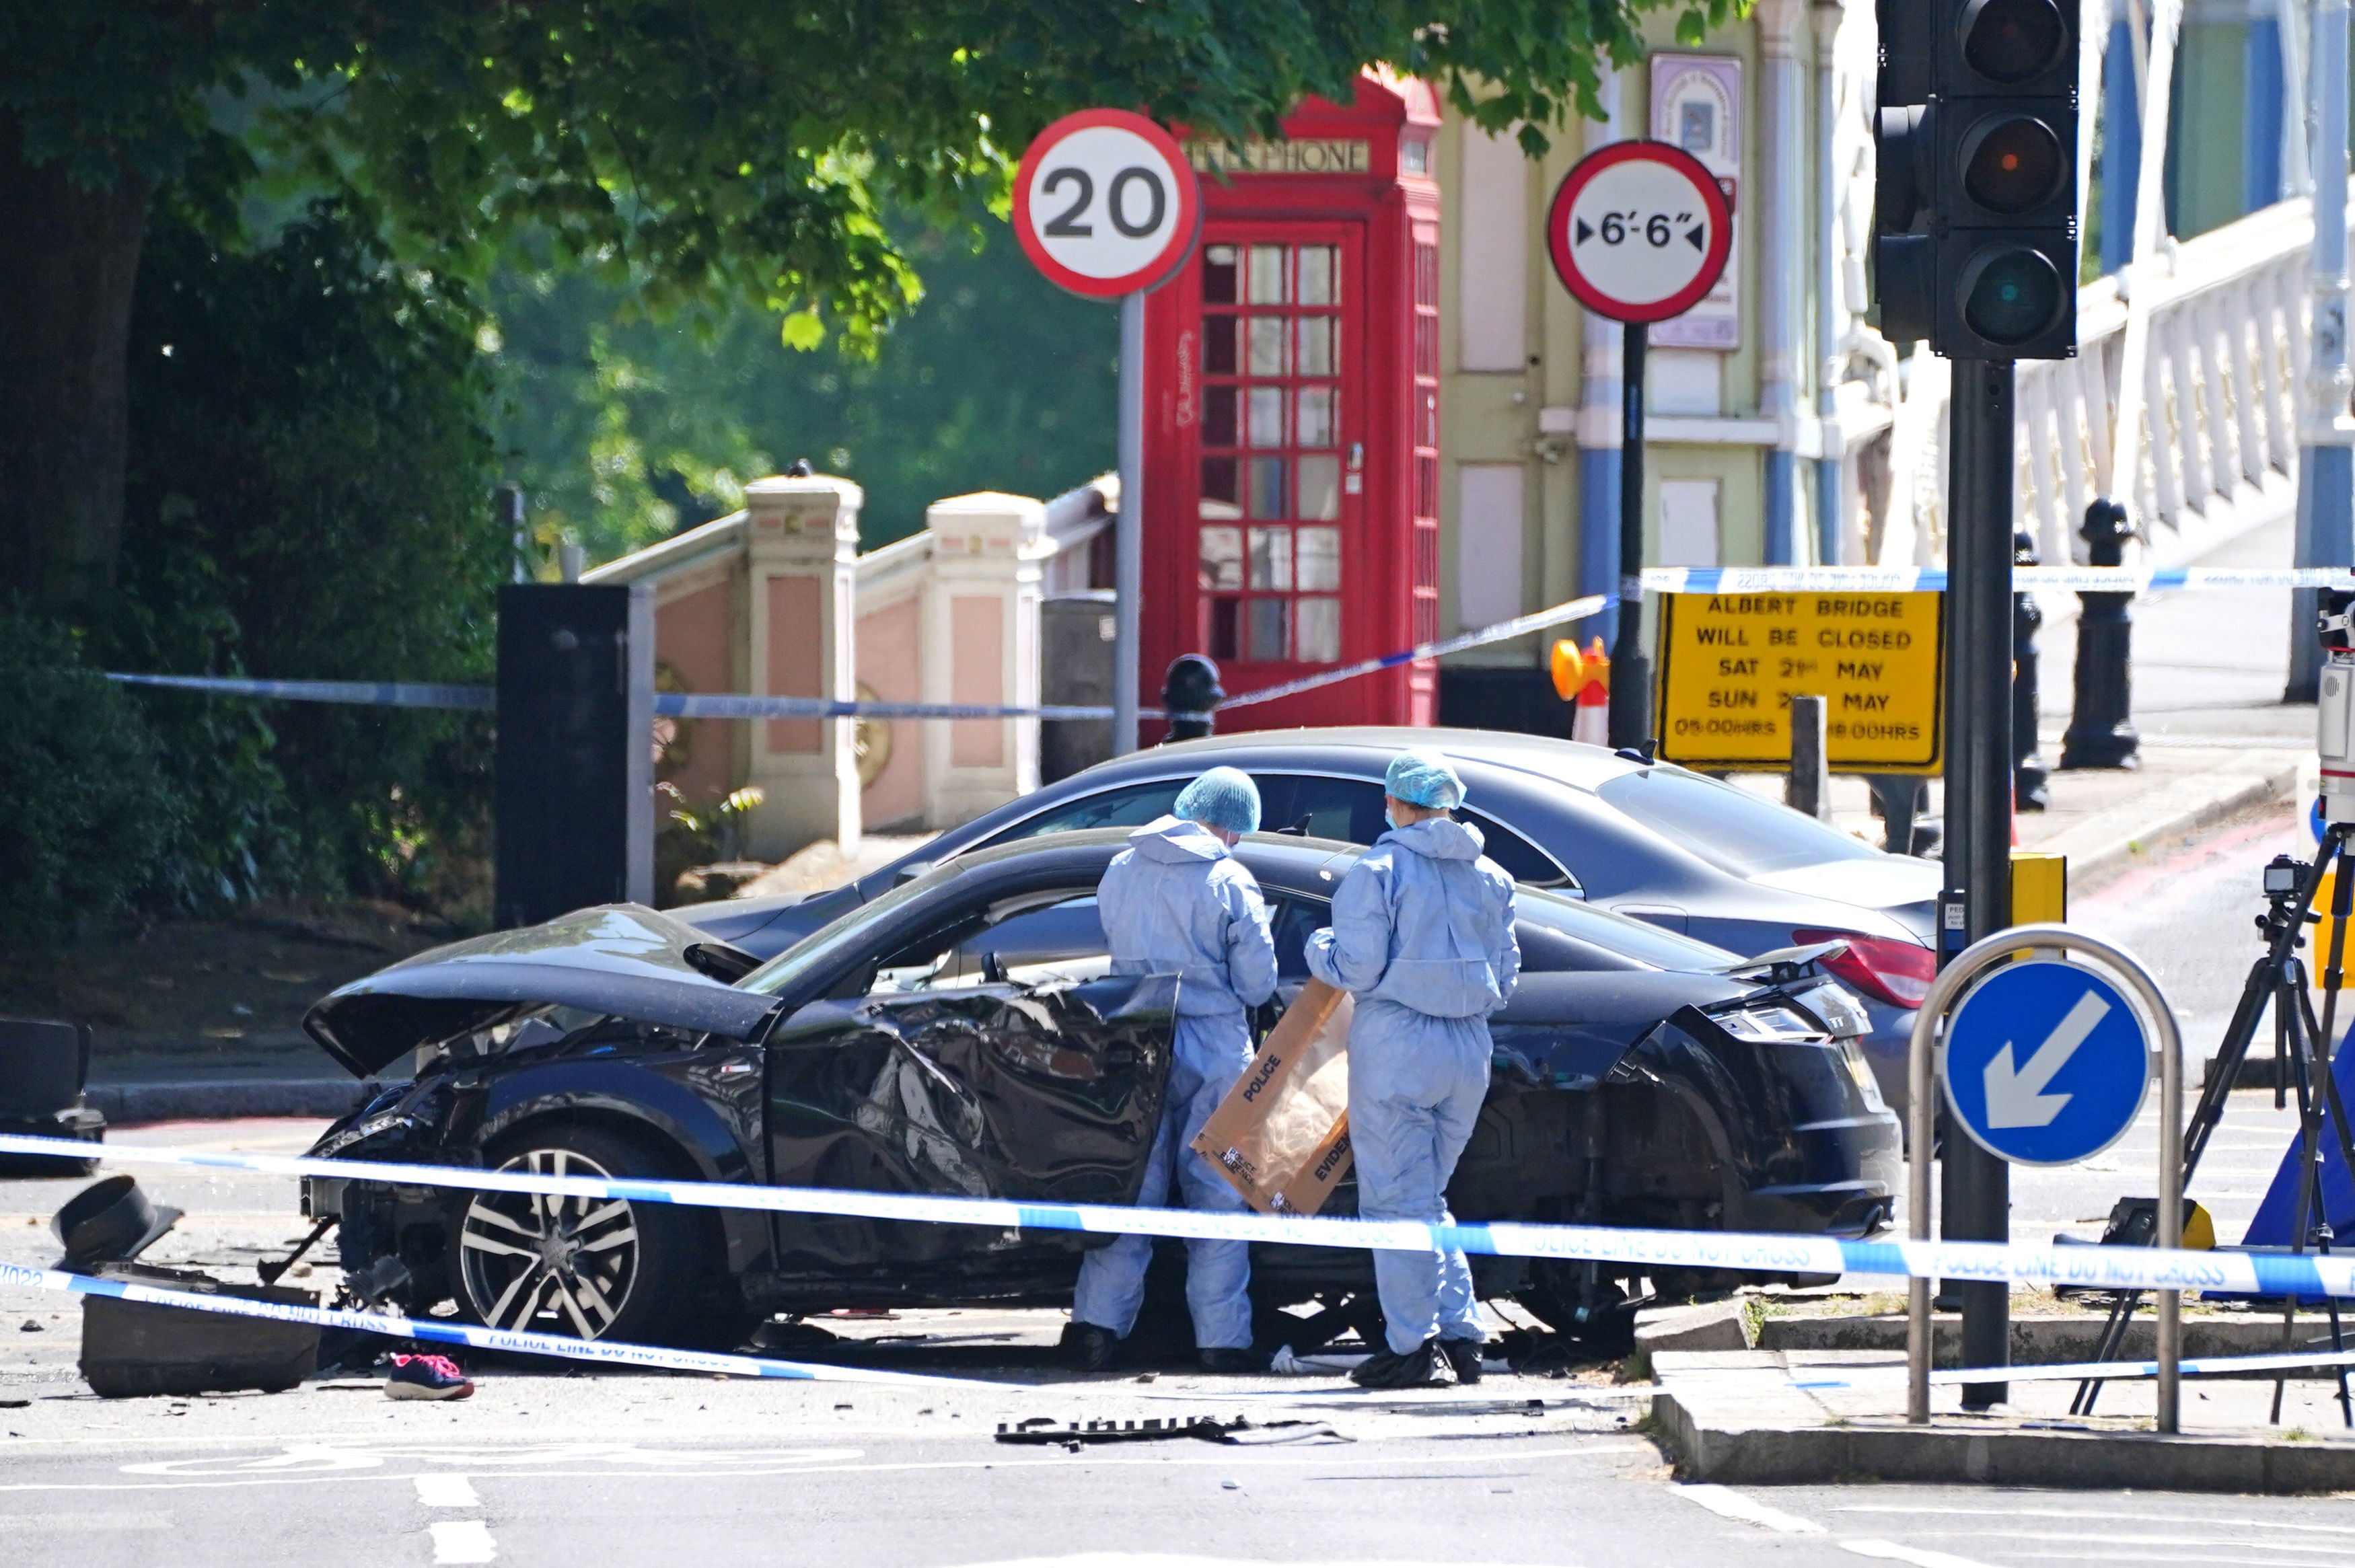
2326, 465
1128, 527
1631, 672
1976, 1201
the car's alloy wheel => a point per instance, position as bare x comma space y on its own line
532, 1261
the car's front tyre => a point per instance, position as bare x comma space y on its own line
584, 1268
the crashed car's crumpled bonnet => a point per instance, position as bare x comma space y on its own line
620, 958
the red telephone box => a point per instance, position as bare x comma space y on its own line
1292, 434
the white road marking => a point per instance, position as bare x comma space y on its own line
1728, 1504
1916, 1511
446, 1491
2145, 1557
1891, 1551
1324, 1459
1161, 1560
2168, 1542
463, 1541
84, 1520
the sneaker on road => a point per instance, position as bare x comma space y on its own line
426, 1377
1463, 1358
1422, 1367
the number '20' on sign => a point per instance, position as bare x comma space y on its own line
1105, 203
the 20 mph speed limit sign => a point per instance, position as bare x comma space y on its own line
1106, 202
1639, 231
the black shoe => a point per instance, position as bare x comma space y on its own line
1422, 1367
1227, 1360
1091, 1347
1464, 1358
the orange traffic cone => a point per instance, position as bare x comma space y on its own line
1584, 679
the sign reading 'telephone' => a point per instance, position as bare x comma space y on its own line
1730, 664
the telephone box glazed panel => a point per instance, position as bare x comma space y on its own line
1292, 436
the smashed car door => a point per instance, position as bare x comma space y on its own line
1005, 1064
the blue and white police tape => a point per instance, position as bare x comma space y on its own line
666, 705
1502, 632
2091, 1267
377, 693
725, 705
1923, 579
731, 705
441, 1331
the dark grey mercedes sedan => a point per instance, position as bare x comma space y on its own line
1675, 848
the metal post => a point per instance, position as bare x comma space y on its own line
1598, 431
522, 541
2326, 465
1831, 321
1128, 528
2101, 713
1921, 1121
1631, 672
1782, 245
2153, 95
2027, 770
1809, 788
1977, 1199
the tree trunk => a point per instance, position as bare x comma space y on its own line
68, 257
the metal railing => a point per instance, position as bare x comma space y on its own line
2229, 313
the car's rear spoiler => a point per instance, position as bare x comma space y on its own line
1785, 966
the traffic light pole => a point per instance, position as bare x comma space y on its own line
1976, 1197
1631, 672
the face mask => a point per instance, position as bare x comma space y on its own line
1391, 816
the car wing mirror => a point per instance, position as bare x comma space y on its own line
992, 968
719, 961
1298, 830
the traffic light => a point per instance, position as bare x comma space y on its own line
1975, 224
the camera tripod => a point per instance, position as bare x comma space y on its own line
2301, 1057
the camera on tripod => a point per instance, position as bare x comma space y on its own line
2334, 718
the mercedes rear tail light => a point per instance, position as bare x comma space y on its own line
1885, 969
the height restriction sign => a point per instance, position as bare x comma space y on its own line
1105, 203
1639, 231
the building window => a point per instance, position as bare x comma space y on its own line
1425, 586
1271, 555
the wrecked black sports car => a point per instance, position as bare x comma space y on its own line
961, 1035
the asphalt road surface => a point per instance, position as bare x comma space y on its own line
605, 1469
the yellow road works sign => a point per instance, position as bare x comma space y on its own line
1730, 664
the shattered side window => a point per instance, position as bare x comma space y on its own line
1132, 806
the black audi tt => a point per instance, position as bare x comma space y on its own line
962, 1034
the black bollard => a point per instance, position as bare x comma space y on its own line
1900, 801
2029, 772
1190, 696
2101, 723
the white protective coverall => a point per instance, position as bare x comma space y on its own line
1178, 901
1423, 937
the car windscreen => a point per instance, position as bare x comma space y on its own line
1730, 828
1578, 929
823, 948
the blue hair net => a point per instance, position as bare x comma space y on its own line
1222, 798
1423, 778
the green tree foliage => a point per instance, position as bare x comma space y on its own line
310, 499
624, 430
728, 150
85, 814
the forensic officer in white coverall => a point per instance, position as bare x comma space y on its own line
1179, 902
1423, 937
